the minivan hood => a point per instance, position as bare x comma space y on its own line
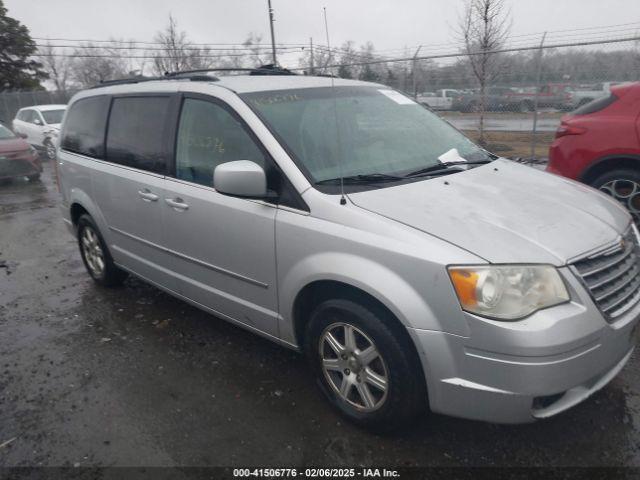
505, 213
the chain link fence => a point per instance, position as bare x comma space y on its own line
11, 102
514, 110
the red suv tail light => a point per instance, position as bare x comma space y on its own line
564, 130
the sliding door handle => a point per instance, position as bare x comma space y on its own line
147, 195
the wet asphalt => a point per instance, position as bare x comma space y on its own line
133, 377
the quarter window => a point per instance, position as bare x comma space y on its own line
136, 135
85, 126
209, 135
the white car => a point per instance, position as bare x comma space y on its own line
39, 125
440, 100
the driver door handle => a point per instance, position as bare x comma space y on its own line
177, 204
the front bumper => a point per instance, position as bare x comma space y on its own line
522, 371
20, 164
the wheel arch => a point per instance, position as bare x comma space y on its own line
353, 273
80, 203
76, 211
610, 162
318, 291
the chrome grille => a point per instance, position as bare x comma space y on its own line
613, 277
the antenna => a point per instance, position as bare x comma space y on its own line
343, 200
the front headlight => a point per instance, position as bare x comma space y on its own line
508, 292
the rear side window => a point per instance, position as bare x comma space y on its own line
136, 136
85, 126
595, 105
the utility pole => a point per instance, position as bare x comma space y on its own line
413, 73
273, 37
535, 101
311, 66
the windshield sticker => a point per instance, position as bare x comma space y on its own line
397, 97
274, 99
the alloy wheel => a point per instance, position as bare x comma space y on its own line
92, 251
354, 367
627, 192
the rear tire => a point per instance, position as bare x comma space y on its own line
363, 366
96, 256
623, 185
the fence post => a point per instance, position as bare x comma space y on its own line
535, 100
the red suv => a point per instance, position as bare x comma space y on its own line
599, 144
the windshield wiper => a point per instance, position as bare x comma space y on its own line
444, 168
361, 179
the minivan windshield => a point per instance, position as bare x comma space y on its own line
359, 131
53, 117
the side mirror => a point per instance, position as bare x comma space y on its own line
22, 135
37, 121
241, 178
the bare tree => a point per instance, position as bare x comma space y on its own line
484, 27
258, 55
348, 56
94, 64
177, 52
58, 67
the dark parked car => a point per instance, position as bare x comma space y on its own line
599, 144
496, 99
17, 157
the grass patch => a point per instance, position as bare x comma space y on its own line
515, 144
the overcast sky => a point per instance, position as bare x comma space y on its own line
389, 24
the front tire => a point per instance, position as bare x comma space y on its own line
96, 256
624, 186
364, 366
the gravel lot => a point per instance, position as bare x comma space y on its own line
132, 376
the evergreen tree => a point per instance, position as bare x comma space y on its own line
17, 69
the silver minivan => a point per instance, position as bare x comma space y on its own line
342, 219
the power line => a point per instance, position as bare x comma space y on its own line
189, 47
148, 57
517, 40
146, 42
431, 46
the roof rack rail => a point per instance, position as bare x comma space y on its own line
261, 70
124, 81
198, 75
